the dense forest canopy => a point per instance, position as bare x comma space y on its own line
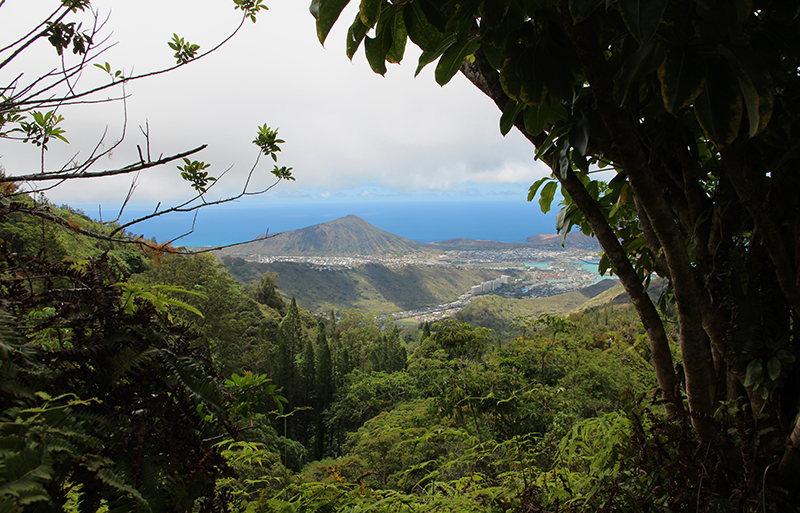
693, 103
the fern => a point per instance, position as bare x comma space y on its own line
195, 380
118, 482
23, 473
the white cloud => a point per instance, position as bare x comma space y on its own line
345, 127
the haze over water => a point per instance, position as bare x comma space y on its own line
422, 221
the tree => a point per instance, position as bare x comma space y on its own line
325, 388
689, 106
105, 400
30, 113
101, 398
266, 292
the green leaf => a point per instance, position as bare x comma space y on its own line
509, 80
493, 12
755, 83
580, 135
629, 71
370, 11
753, 373
604, 264
428, 57
774, 368
535, 187
465, 12
533, 89
553, 67
420, 30
642, 17
510, 113
355, 35
326, 12
719, 108
546, 199
582, 9
536, 117
399, 37
545, 146
562, 163
682, 75
376, 57
451, 60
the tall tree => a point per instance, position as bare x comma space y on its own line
325, 388
691, 107
266, 292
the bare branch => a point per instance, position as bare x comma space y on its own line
43, 212
64, 175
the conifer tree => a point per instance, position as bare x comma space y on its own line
325, 388
395, 352
286, 373
307, 393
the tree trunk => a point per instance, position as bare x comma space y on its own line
485, 78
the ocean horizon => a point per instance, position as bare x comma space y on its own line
421, 221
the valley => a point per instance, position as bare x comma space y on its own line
348, 263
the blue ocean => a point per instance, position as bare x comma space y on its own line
422, 221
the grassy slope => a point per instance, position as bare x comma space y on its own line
498, 313
370, 287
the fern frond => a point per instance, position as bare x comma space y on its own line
196, 381
25, 471
117, 482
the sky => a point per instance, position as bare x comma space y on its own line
351, 135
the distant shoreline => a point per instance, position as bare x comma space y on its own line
420, 221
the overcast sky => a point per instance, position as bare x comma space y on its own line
349, 133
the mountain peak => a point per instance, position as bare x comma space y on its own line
346, 236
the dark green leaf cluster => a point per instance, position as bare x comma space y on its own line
114, 402
61, 34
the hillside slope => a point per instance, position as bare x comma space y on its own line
371, 287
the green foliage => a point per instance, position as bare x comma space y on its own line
184, 50
61, 34
43, 128
240, 335
194, 173
266, 292
250, 393
157, 296
85, 386
690, 107
115, 75
250, 8
365, 395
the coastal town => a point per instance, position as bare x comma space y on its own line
542, 280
